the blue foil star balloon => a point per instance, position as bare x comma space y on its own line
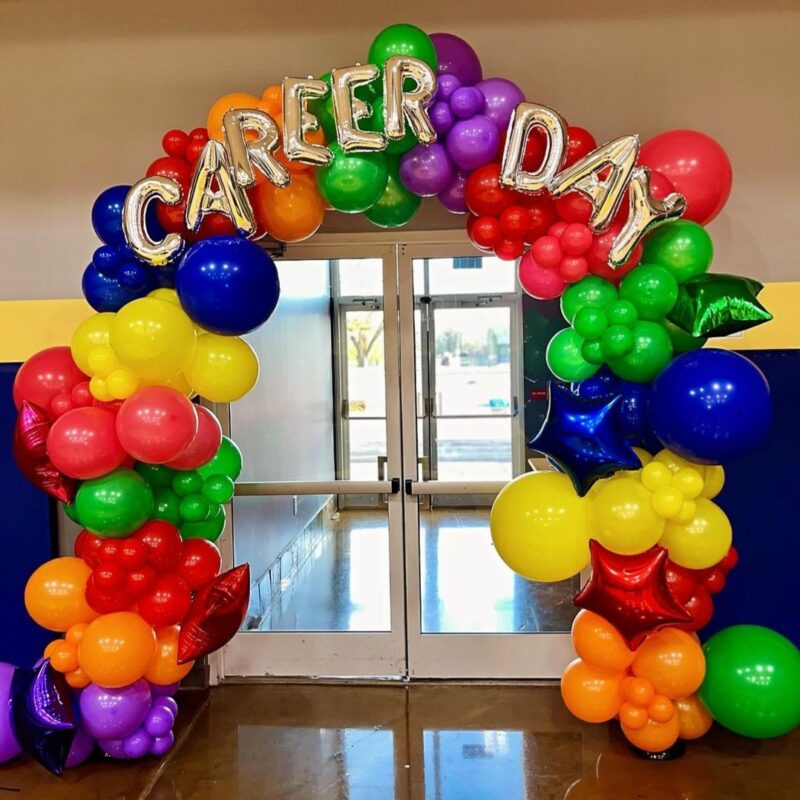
45, 721
583, 437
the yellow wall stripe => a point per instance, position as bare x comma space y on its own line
27, 326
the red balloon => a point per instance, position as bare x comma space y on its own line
574, 207
579, 144
631, 592
105, 602
697, 166
30, 453
46, 374
483, 193
83, 443
515, 221
156, 424
87, 547
200, 563
177, 169
540, 282
484, 232
109, 577
132, 553
597, 255
174, 143
167, 603
216, 614
509, 249
163, 542
140, 581
542, 213
205, 444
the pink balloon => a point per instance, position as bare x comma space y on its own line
156, 424
44, 376
698, 168
204, 445
543, 283
83, 443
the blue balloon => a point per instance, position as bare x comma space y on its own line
108, 294
107, 217
711, 406
582, 437
634, 415
227, 285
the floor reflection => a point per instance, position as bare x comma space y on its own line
343, 583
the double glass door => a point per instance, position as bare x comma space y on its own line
386, 419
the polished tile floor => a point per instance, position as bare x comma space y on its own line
423, 742
466, 588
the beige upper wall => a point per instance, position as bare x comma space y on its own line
89, 87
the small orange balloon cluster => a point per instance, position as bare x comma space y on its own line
651, 689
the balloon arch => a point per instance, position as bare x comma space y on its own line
641, 415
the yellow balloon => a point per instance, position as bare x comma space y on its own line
674, 461
539, 527
714, 480
703, 541
89, 335
121, 383
223, 368
99, 390
179, 383
170, 295
623, 518
153, 338
644, 456
102, 361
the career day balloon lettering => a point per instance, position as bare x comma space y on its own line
110, 427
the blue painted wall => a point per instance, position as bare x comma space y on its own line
27, 539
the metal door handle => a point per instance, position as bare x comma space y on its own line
425, 488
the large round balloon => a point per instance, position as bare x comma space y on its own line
539, 527
402, 40
456, 57
115, 713
353, 182
752, 679
222, 368
9, 746
83, 443
45, 375
55, 594
711, 406
228, 285
114, 505
205, 443
696, 165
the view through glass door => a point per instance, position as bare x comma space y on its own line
387, 417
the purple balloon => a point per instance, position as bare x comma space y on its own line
456, 57
165, 690
82, 747
441, 117
445, 87
502, 97
162, 744
9, 746
467, 101
159, 721
168, 703
452, 198
426, 170
138, 744
115, 713
113, 748
472, 143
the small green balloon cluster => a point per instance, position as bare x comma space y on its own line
369, 183
117, 504
627, 328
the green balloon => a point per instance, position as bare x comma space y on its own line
226, 461
403, 40
650, 353
683, 247
652, 289
158, 476
589, 291
167, 506
71, 511
187, 482
195, 508
396, 205
682, 342
218, 488
589, 322
210, 529
592, 351
115, 504
752, 683
565, 360
622, 312
617, 341
353, 182
323, 109
375, 123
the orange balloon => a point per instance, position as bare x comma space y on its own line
164, 668
694, 717
634, 717
55, 594
291, 214
116, 649
227, 103
662, 709
637, 691
654, 736
64, 658
599, 643
77, 679
272, 99
591, 695
672, 661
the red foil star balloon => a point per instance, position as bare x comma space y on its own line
216, 614
631, 592
30, 453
